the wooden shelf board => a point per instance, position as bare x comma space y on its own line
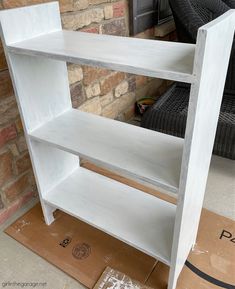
167, 60
132, 151
138, 219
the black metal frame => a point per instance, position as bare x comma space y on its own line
140, 20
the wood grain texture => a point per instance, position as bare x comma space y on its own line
153, 58
211, 62
43, 88
42, 91
24, 23
133, 151
138, 219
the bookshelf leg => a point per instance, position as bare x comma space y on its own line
48, 213
172, 281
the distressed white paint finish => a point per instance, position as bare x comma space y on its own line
148, 155
42, 87
141, 220
168, 60
52, 165
42, 91
36, 48
24, 23
211, 62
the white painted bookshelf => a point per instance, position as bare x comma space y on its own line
37, 50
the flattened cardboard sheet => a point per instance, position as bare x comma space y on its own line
84, 252
78, 249
211, 263
113, 279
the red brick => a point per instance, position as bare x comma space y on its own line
7, 134
91, 30
95, 2
8, 111
1, 203
66, 5
77, 94
16, 188
8, 212
21, 144
5, 167
5, 84
129, 112
132, 83
19, 3
126, 101
19, 125
91, 74
3, 63
115, 27
118, 9
107, 84
23, 164
141, 80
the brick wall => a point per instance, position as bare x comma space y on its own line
100, 91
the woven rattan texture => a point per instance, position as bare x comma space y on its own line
169, 115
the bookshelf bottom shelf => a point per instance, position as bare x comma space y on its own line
132, 216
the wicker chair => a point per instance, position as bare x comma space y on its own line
169, 114
230, 3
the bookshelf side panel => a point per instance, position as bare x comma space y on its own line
42, 91
42, 88
26, 22
213, 49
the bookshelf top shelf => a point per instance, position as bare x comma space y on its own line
161, 59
